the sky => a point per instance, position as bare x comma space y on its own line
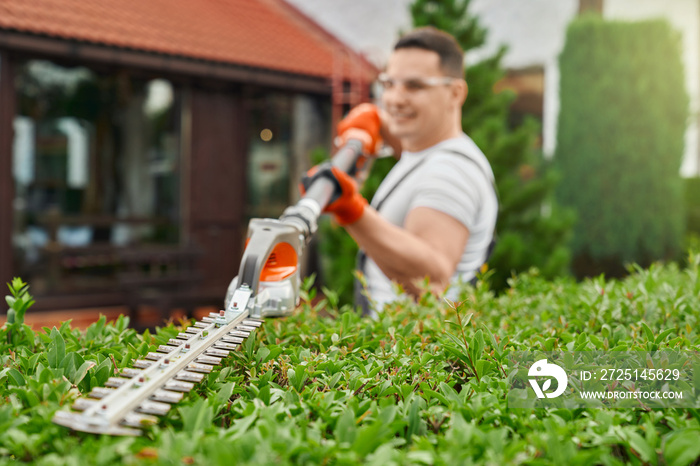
372, 27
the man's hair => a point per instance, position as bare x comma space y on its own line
440, 42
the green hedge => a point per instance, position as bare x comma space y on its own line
620, 142
326, 387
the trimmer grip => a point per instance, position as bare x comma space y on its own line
321, 190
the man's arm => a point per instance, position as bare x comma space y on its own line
430, 244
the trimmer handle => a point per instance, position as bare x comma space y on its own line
290, 233
321, 190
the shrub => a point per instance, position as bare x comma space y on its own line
620, 142
327, 387
19, 300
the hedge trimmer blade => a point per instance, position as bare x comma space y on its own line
132, 400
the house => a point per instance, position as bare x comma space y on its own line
146, 134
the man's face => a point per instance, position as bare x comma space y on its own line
421, 116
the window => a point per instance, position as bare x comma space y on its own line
270, 158
96, 164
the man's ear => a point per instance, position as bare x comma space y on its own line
459, 91
463, 91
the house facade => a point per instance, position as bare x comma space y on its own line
157, 127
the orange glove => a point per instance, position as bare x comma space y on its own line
362, 123
346, 204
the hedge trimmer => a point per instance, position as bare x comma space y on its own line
267, 285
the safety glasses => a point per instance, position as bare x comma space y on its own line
413, 84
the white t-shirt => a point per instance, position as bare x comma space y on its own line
448, 182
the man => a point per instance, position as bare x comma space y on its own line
434, 215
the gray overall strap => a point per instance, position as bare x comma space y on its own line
359, 292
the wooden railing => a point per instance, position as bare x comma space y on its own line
164, 276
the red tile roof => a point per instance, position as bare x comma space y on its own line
267, 34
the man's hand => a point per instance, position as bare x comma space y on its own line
347, 204
364, 124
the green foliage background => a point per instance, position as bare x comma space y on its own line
620, 142
692, 203
337, 249
424, 384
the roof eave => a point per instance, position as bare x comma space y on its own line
170, 64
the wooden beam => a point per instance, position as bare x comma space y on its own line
7, 190
217, 182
